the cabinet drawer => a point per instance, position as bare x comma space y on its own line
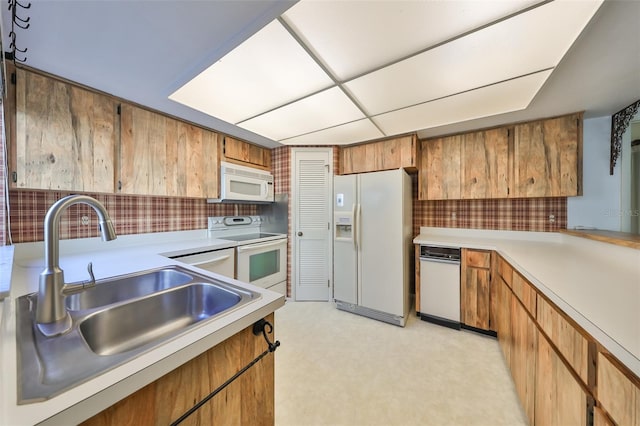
505, 271
525, 292
477, 259
569, 341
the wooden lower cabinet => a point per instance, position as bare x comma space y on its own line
559, 398
618, 393
503, 317
475, 289
249, 400
523, 356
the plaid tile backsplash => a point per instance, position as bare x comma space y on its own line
518, 214
130, 214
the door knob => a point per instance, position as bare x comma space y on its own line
299, 233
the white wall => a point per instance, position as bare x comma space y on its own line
599, 207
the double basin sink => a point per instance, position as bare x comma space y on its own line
115, 321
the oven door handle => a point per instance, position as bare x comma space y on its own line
215, 259
259, 246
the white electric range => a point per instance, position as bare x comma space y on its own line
261, 258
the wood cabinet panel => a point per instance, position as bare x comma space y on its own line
573, 346
523, 356
475, 293
503, 318
547, 157
505, 271
600, 418
525, 292
440, 161
617, 393
244, 152
249, 400
485, 164
381, 155
65, 136
166, 157
559, 398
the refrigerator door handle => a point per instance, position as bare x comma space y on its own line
356, 220
355, 227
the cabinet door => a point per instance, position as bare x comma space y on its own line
65, 136
559, 398
382, 155
503, 318
439, 177
618, 393
248, 153
485, 164
475, 288
547, 160
523, 356
163, 156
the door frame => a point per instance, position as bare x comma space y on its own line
293, 215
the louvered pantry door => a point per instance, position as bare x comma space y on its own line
312, 173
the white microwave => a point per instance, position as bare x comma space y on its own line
244, 184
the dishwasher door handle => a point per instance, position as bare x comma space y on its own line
214, 260
439, 260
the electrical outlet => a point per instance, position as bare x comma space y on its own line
84, 220
454, 216
552, 218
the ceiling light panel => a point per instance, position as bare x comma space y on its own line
356, 131
266, 71
500, 98
328, 108
353, 37
526, 43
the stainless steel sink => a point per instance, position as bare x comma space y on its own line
125, 327
126, 288
114, 322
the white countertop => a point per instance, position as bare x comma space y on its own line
595, 283
127, 254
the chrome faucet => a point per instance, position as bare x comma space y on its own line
52, 317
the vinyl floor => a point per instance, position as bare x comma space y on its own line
338, 368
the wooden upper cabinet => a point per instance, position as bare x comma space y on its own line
547, 157
485, 164
381, 155
440, 161
249, 154
163, 156
64, 136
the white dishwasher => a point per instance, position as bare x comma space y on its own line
440, 285
221, 262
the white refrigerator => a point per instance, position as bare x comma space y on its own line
372, 246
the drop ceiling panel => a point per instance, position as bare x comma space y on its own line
526, 43
328, 108
379, 32
266, 71
500, 98
356, 131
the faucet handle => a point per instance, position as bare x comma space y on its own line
92, 281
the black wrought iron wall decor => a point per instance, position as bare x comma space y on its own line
619, 124
18, 20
